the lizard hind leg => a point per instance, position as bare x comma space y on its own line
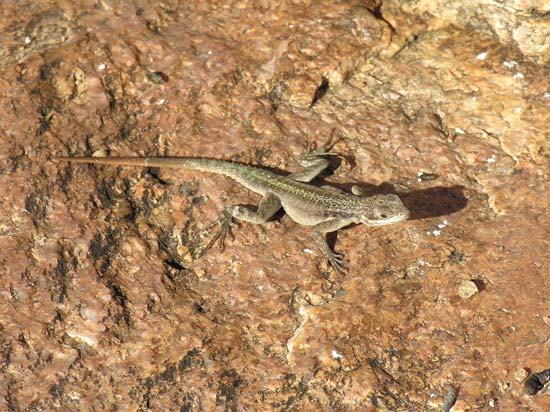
268, 206
226, 223
314, 161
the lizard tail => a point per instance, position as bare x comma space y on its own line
210, 165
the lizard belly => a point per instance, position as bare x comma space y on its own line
304, 217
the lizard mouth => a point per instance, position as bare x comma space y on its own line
390, 220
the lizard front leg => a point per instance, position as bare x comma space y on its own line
320, 230
268, 206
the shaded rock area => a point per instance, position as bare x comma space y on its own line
106, 301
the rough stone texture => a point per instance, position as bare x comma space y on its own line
105, 302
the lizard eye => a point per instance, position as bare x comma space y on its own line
384, 216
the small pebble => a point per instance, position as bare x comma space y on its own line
481, 56
520, 375
467, 289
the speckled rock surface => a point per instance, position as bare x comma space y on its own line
105, 301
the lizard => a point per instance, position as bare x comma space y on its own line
326, 209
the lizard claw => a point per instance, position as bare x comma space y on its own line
331, 142
226, 223
323, 150
336, 260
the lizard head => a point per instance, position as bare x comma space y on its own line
383, 210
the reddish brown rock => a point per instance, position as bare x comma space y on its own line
106, 303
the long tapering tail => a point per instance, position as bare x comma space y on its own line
210, 165
235, 171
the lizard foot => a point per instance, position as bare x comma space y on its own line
226, 223
323, 150
336, 260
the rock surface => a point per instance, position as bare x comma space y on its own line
105, 301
